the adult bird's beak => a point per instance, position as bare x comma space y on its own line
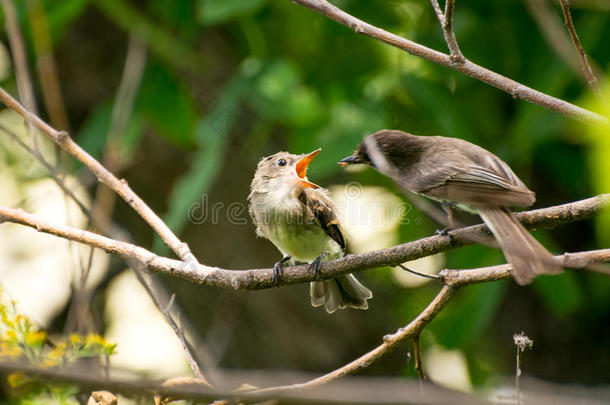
350, 160
300, 169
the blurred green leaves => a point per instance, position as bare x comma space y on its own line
280, 95
219, 11
167, 106
211, 136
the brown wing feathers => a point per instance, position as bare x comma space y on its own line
322, 210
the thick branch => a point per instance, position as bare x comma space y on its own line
255, 279
105, 176
517, 90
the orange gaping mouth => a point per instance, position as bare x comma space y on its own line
301, 169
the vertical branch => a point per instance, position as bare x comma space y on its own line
24, 83
446, 21
26, 92
148, 283
135, 62
586, 67
554, 34
454, 48
419, 364
45, 62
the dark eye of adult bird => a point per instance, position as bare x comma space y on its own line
281, 162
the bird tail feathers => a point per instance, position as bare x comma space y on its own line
340, 293
527, 256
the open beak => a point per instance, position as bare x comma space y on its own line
300, 170
350, 160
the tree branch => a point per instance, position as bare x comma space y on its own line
105, 176
262, 278
591, 79
389, 343
554, 34
516, 89
255, 279
446, 21
453, 280
26, 92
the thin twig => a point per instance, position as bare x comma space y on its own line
22, 72
554, 34
446, 21
591, 79
389, 343
149, 284
24, 83
49, 168
515, 89
119, 186
417, 273
419, 364
47, 69
255, 279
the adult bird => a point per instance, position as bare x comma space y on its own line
459, 173
298, 217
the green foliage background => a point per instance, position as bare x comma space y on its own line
228, 82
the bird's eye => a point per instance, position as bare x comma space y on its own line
281, 162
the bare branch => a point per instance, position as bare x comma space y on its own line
389, 343
24, 83
419, 363
453, 279
446, 21
255, 279
554, 33
105, 176
45, 62
148, 283
516, 89
591, 79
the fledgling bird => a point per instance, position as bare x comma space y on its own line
459, 173
298, 217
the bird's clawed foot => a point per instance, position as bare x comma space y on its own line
316, 265
444, 232
277, 271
